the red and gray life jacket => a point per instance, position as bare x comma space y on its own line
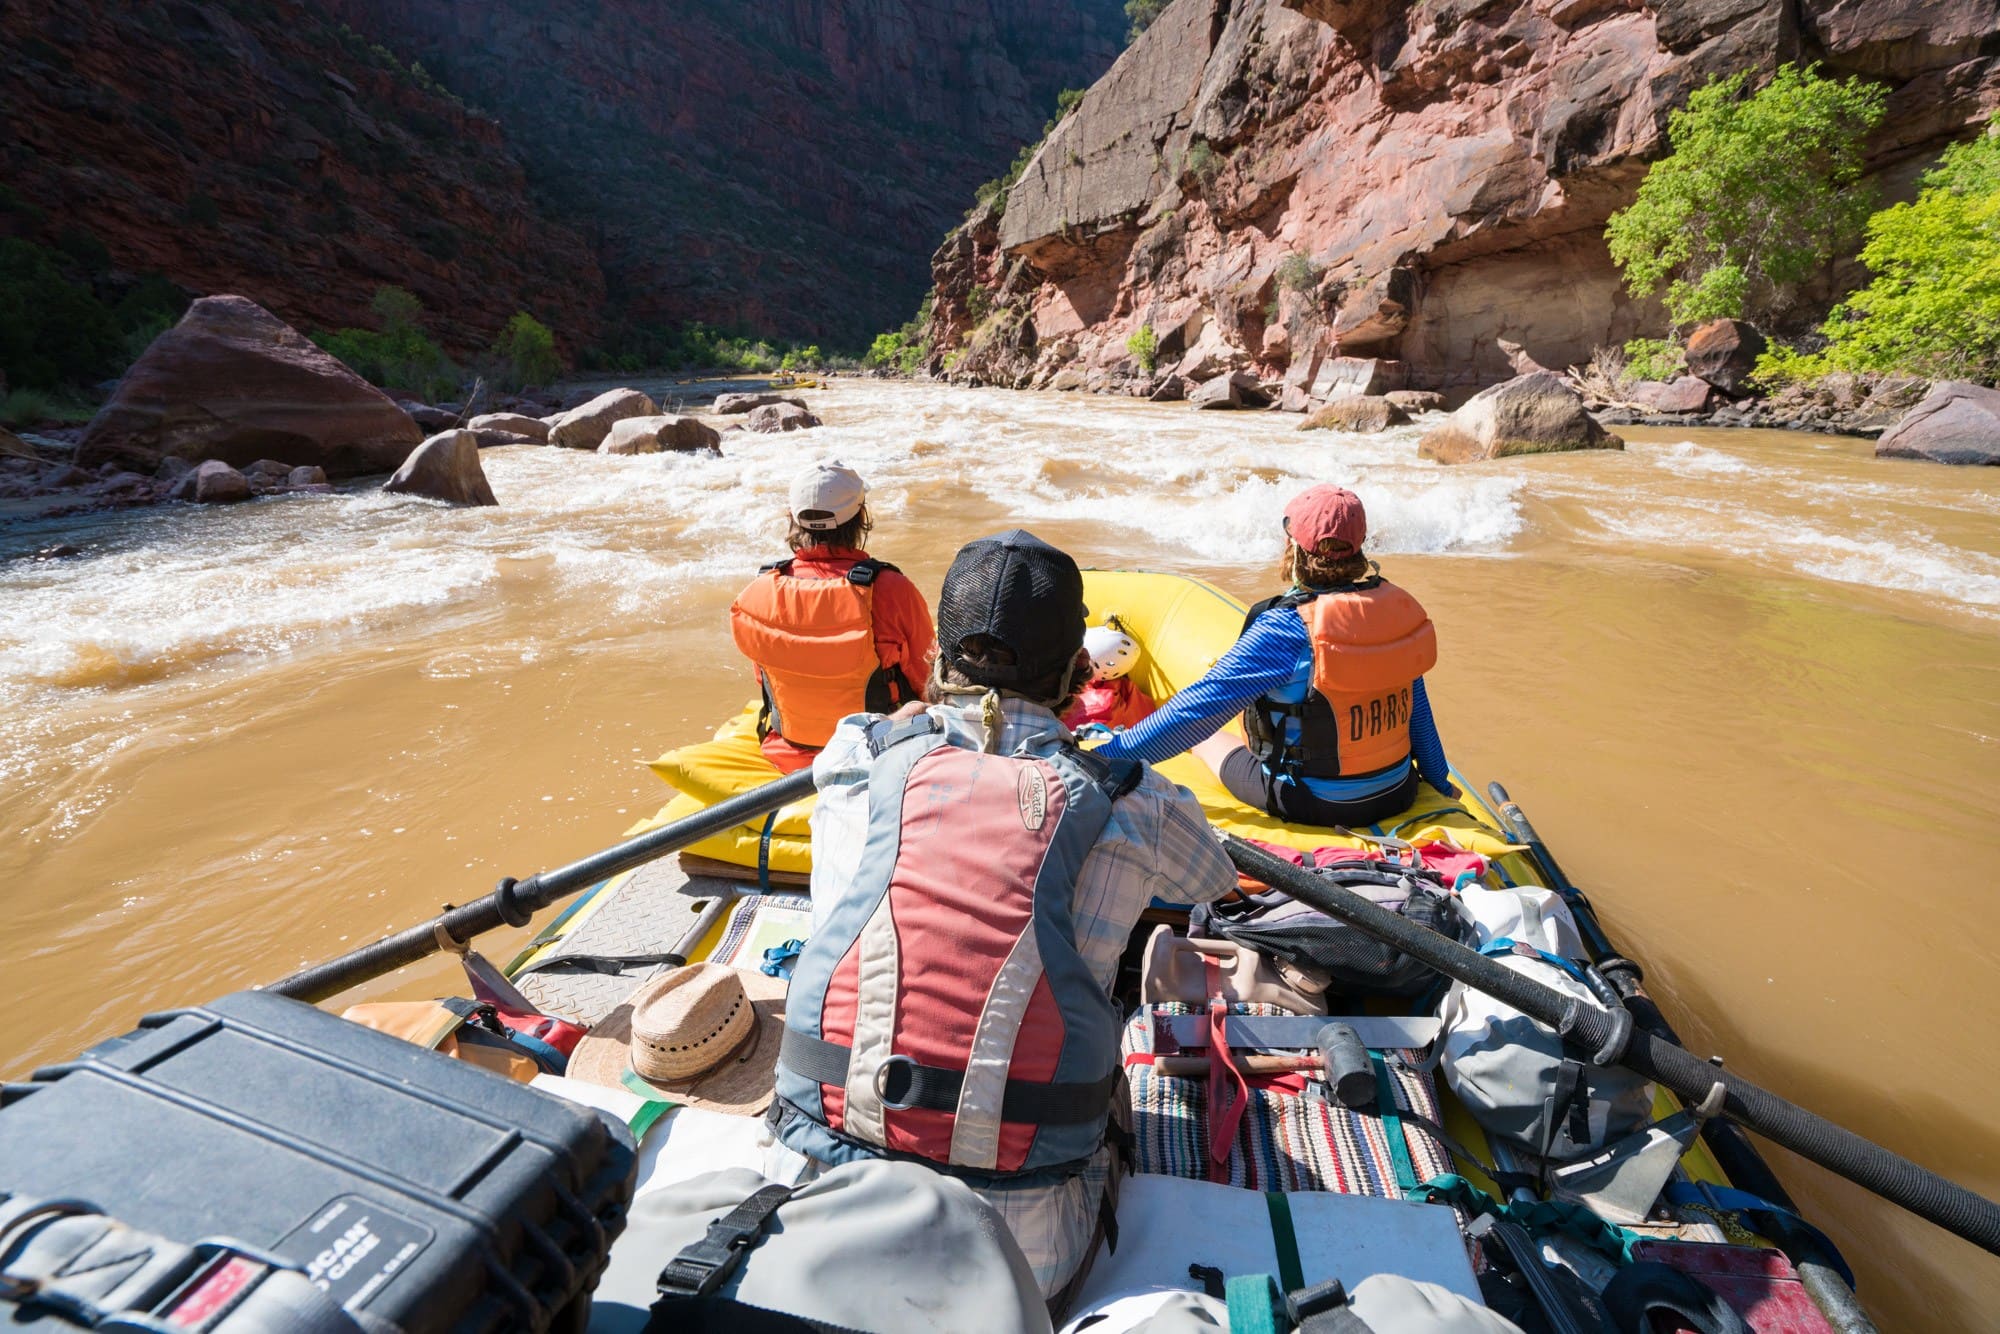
942, 1011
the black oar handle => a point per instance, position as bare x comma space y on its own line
518, 900
1588, 1030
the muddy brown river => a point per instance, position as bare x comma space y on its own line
1747, 684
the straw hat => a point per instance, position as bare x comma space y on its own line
705, 1035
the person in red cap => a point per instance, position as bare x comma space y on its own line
831, 631
1329, 679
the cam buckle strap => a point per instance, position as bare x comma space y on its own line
888, 732
1570, 1099
903, 1085
705, 1265
783, 567
863, 572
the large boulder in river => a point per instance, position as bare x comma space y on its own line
1363, 413
511, 423
651, 435
234, 382
1530, 414
586, 426
775, 417
445, 467
729, 404
1956, 423
1724, 352
1238, 389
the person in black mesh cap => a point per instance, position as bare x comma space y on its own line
973, 921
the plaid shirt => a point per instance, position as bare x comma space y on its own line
1157, 844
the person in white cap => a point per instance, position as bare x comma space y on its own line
832, 631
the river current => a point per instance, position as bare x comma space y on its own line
1747, 684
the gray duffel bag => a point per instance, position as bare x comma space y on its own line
880, 1246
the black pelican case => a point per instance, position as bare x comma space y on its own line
419, 1192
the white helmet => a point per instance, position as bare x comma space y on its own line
1112, 652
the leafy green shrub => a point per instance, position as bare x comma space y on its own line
25, 407
1781, 365
1202, 162
1933, 305
1760, 192
978, 303
1654, 359
804, 358
1144, 345
397, 353
53, 330
1142, 13
1297, 273
524, 353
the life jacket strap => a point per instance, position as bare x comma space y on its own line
903, 1084
706, 1265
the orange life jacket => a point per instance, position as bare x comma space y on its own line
1370, 642
813, 641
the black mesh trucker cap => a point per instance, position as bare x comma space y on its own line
1018, 590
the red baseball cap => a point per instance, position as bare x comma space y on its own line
1322, 513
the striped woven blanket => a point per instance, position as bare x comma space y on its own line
1288, 1140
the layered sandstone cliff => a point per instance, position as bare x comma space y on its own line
258, 149
777, 166
1274, 184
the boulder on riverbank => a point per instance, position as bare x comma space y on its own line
1238, 389
1414, 401
1956, 423
1689, 393
1360, 413
585, 427
235, 383
775, 417
445, 467
730, 404
212, 483
511, 423
1724, 353
1530, 414
651, 435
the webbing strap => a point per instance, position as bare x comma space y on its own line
1728, 1199
1507, 945
1291, 1271
1537, 1216
1252, 1305
1392, 1125
1228, 1090
764, 853
904, 1084
705, 1265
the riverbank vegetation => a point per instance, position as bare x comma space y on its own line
400, 353
1764, 197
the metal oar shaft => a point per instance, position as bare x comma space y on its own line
516, 901
1587, 1029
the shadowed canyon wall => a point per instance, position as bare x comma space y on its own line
781, 167
1268, 183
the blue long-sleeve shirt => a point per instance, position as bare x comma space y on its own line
1267, 656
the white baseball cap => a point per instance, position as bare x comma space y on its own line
827, 495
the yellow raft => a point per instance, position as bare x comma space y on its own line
1182, 626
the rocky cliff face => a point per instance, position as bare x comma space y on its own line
1277, 183
773, 166
256, 148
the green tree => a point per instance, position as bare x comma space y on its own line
52, 331
1144, 345
398, 353
1142, 13
1933, 305
1761, 191
525, 353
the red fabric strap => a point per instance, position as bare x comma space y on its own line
1228, 1091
